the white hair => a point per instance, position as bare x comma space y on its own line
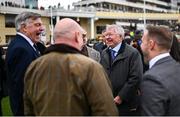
117, 28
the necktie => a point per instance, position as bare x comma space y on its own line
112, 54
36, 48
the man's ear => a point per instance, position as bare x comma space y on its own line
151, 44
77, 36
23, 27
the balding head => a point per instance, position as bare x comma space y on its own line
69, 32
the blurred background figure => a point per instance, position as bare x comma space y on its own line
175, 49
20, 53
88, 51
41, 47
65, 82
127, 39
136, 43
101, 45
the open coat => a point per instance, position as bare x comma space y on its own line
125, 73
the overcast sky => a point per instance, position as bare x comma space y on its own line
46, 3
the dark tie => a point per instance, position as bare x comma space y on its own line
112, 54
37, 50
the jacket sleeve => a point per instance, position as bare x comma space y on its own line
153, 97
134, 77
28, 85
99, 93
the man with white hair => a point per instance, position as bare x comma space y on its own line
123, 65
65, 82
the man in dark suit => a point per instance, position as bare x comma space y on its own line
21, 52
100, 46
124, 67
160, 92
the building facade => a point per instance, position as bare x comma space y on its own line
151, 6
17, 2
32, 4
94, 15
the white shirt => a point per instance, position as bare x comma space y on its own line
27, 39
158, 57
116, 49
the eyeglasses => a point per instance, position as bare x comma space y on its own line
110, 35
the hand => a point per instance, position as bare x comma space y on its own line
117, 100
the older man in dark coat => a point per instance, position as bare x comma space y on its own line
123, 65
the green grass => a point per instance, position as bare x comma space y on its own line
6, 107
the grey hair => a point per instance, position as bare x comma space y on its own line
23, 18
117, 28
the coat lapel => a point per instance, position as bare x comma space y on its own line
28, 45
121, 55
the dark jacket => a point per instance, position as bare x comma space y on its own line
125, 73
3, 91
19, 55
100, 46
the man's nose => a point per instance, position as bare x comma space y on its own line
42, 28
107, 37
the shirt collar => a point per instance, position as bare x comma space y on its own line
155, 59
26, 38
116, 48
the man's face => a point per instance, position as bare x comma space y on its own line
33, 29
112, 38
145, 47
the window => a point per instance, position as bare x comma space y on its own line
9, 20
9, 38
99, 29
